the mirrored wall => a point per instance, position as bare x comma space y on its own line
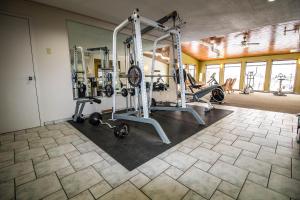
91, 59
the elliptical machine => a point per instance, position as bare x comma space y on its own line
250, 82
280, 77
217, 94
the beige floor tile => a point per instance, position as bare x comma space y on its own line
153, 167
200, 181
39, 188
229, 173
285, 185
180, 160
100, 189
80, 181
125, 191
164, 187
252, 191
205, 155
139, 180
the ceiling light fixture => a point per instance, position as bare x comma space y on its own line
271, 0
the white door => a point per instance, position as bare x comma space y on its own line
19, 105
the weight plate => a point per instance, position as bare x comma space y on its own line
218, 95
80, 120
132, 92
95, 118
124, 92
108, 90
134, 76
121, 130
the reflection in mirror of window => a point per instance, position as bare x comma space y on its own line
210, 69
286, 68
233, 71
192, 70
259, 71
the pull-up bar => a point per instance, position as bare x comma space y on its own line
162, 20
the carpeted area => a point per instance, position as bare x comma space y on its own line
265, 101
143, 143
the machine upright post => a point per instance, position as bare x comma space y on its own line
84, 70
140, 62
179, 57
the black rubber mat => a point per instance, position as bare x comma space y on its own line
143, 143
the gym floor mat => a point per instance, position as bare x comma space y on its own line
143, 143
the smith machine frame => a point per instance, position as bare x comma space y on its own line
136, 115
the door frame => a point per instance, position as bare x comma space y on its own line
33, 58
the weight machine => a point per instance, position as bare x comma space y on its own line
136, 75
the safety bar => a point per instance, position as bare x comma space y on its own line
114, 52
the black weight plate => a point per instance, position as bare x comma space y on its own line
108, 90
95, 118
124, 92
134, 76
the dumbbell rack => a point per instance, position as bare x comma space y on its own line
136, 115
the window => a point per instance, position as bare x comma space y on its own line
191, 70
259, 71
286, 68
233, 71
210, 69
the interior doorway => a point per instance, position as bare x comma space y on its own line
19, 102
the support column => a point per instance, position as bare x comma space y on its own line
297, 79
242, 75
268, 75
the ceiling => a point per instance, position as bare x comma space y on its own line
204, 18
270, 39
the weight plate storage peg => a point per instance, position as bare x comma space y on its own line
134, 76
124, 92
108, 90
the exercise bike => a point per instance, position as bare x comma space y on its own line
280, 77
250, 82
217, 94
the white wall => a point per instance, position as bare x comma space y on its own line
53, 74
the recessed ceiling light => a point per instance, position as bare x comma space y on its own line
271, 0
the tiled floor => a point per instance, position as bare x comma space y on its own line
250, 154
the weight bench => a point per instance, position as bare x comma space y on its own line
201, 91
193, 83
80, 103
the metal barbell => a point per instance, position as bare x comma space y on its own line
134, 76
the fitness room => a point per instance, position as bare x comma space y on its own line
163, 100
